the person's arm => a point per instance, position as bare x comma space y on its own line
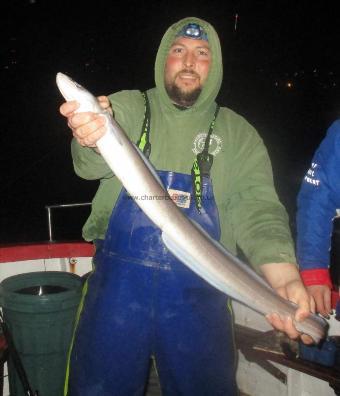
318, 200
285, 279
259, 221
261, 229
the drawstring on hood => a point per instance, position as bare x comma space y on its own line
213, 83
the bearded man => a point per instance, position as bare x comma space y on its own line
142, 302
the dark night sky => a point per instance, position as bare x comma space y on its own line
108, 46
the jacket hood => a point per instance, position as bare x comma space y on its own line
214, 80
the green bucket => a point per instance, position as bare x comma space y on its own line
40, 310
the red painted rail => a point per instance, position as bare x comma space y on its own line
45, 250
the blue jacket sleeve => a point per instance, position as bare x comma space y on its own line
318, 199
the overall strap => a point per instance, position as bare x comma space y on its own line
144, 141
202, 165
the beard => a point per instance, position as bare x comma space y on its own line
181, 97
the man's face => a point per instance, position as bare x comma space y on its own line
186, 69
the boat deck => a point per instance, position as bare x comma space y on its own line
268, 364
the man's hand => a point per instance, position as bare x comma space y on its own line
322, 298
87, 128
285, 279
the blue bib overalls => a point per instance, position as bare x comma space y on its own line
142, 301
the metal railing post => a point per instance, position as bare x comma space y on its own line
49, 223
49, 214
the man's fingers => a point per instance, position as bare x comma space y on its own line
283, 324
275, 320
301, 314
327, 301
286, 325
85, 124
319, 301
80, 119
312, 304
290, 329
322, 298
91, 140
67, 108
304, 307
105, 104
306, 339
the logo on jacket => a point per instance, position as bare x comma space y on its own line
311, 176
215, 144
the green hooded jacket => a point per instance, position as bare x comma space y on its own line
251, 215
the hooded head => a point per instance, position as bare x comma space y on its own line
200, 82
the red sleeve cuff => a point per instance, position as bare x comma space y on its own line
316, 277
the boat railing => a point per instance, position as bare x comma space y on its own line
59, 206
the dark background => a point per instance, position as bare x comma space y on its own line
281, 71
